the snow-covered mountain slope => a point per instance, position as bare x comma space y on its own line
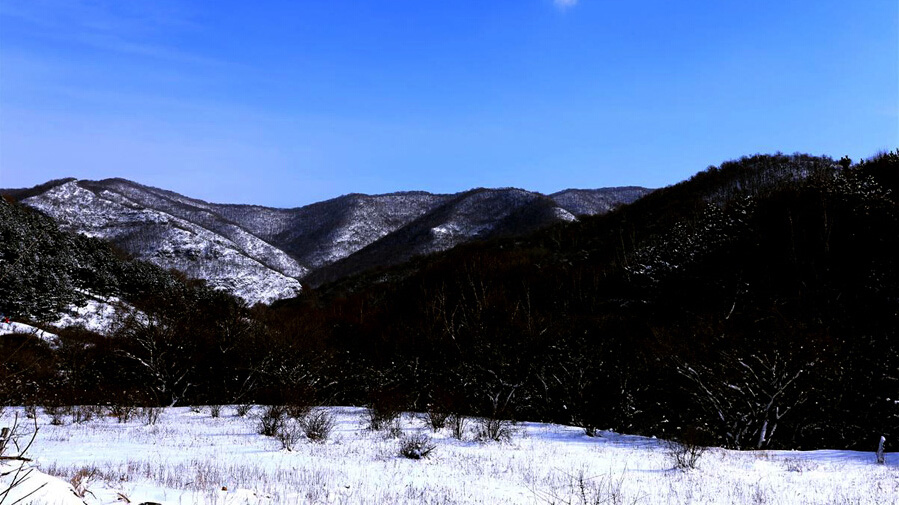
261, 254
324, 232
596, 201
205, 215
152, 228
476, 214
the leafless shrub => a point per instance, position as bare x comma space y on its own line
436, 417
31, 411
150, 415
81, 479
496, 430
56, 414
271, 419
382, 418
457, 424
123, 412
82, 413
583, 490
297, 411
317, 425
289, 433
684, 456
797, 465
383, 411
10, 437
6, 437
685, 451
415, 446
243, 409
215, 410
393, 429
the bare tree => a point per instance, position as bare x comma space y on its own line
747, 394
159, 346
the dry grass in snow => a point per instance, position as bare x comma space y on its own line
190, 457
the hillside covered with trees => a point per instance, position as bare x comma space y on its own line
753, 306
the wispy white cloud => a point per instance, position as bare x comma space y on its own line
565, 4
135, 28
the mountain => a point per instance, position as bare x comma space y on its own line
591, 202
324, 232
753, 306
262, 254
172, 231
48, 272
475, 214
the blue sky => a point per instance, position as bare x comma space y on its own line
288, 103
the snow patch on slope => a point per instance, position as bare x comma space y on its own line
205, 215
95, 315
22, 328
563, 214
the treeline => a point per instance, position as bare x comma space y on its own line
753, 306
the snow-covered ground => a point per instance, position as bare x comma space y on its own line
14, 327
97, 314
189, 457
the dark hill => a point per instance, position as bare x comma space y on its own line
754, 303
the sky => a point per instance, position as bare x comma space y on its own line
285, 103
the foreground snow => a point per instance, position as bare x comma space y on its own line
192, 458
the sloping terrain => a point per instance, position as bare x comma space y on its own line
46, 271
174, 232
751, 307
262, 254
590, 202
754, 303
474, 215
324, 232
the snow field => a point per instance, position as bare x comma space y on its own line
192, 458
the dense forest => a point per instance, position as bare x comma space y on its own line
755, 305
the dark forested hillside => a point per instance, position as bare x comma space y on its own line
755, 305
45, 269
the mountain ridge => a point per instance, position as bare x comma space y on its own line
263, 254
